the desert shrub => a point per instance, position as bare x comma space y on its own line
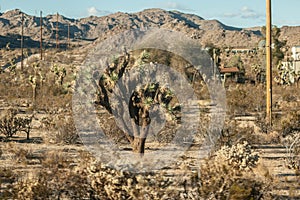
289, 97
66, 132
244, 100
290, 122
61, 129
233, 133
55, 180
61, 185
21, 154
219, 180
109, 183
7, 179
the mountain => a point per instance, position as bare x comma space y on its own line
99, 28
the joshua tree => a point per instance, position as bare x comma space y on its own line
33, 82
260, 73
140, 102
60, 73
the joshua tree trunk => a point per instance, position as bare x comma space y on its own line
33, 95
27, 136
138, 145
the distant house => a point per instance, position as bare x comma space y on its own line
240, 50
233, 73
230, 70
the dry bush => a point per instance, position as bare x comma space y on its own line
55, 180
219, 180
109, 183
61, 129
245, 99
66, 132
21, 154
233, 133
290, 122
7, 179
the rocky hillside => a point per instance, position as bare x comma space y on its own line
92, 28
291, 34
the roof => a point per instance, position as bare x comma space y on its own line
224, 70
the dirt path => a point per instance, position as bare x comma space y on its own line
274, 158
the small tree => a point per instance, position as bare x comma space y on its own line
10, 124
26, 125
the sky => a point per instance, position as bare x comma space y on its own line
238, 13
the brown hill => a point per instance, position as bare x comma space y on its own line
92, 28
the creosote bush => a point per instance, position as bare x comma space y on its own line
220, 180
290, 122
7, 178
55, 180
66, 132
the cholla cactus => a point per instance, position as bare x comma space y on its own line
240, 156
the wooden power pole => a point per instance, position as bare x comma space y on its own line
269, 61
41, 41
57, 31
22, 41
68, 46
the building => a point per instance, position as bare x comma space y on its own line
289, 71
231, 73
296, 53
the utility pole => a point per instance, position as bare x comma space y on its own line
215, 62
41, 41
22, 41
68, 36
56, 30
269, 61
